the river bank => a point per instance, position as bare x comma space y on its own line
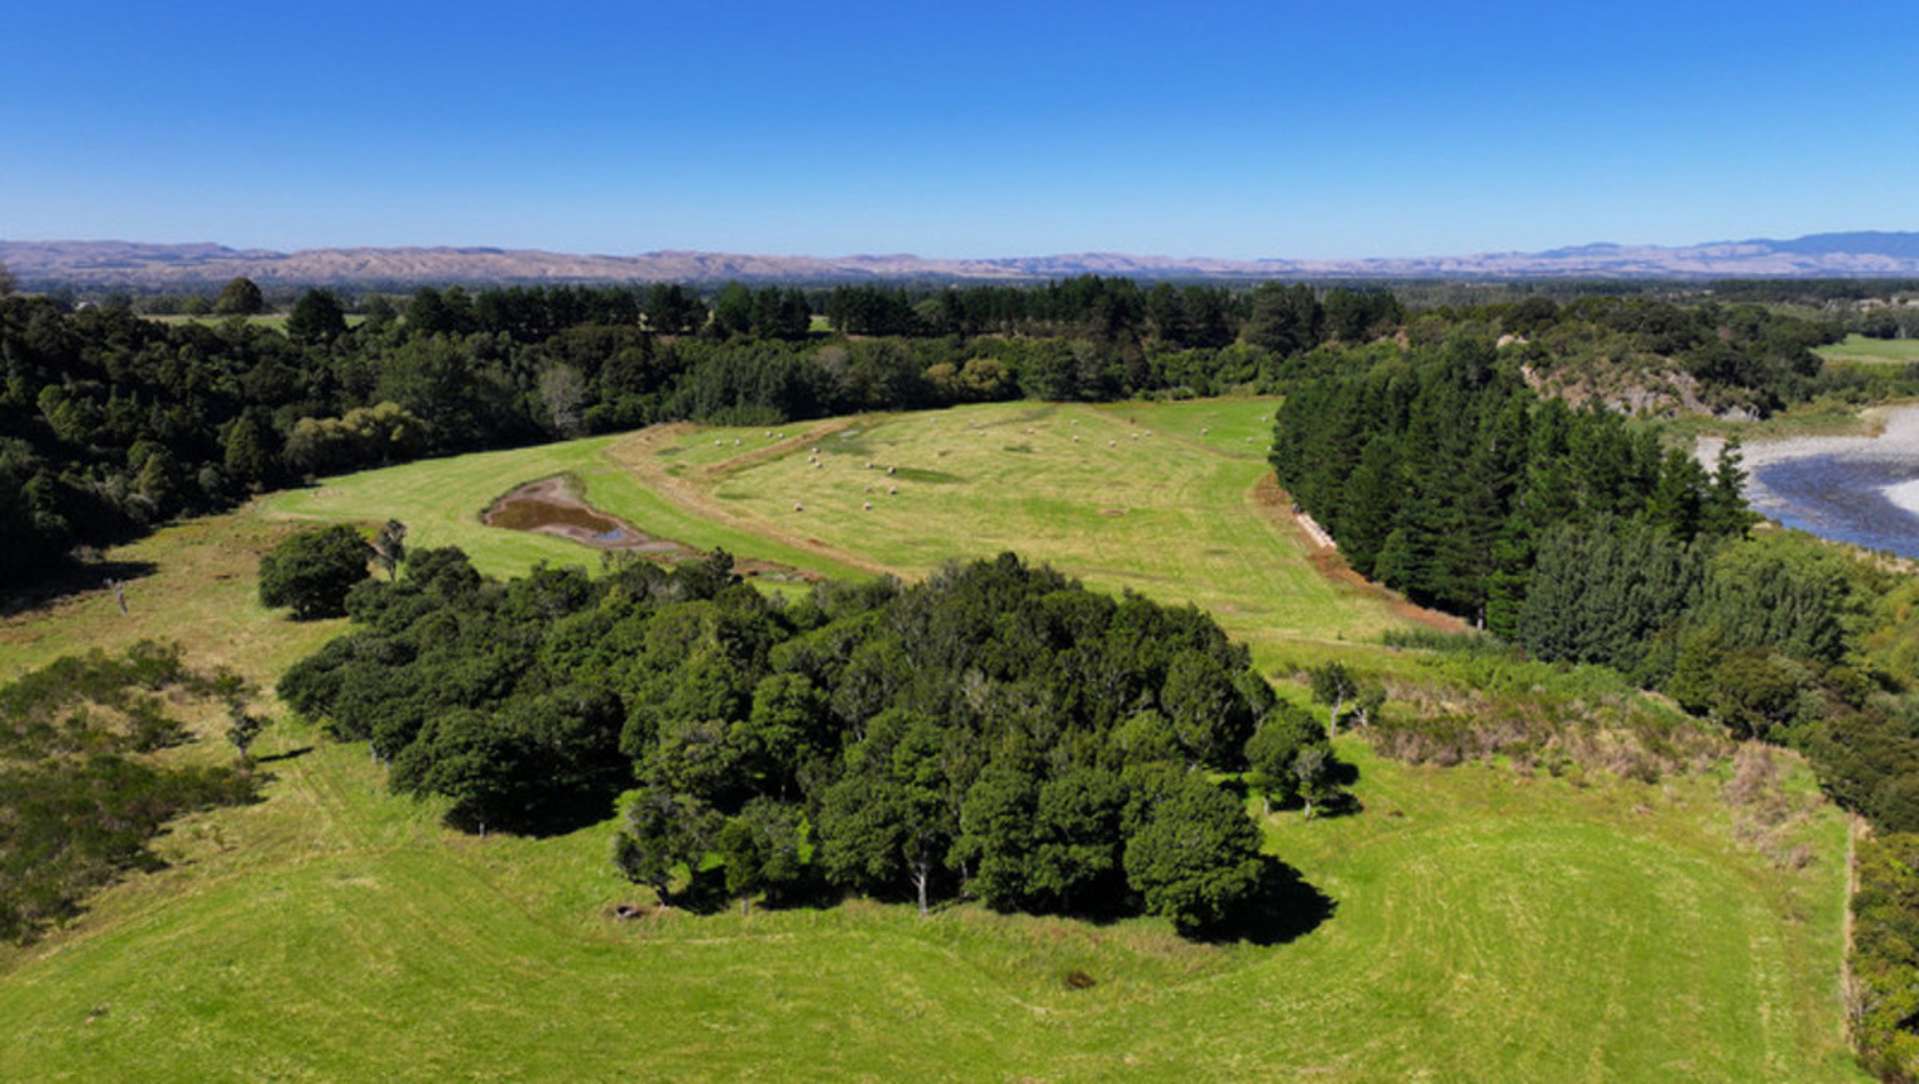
1862, 490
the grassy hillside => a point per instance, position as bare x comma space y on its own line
441, 501
1487, 925
1165, 499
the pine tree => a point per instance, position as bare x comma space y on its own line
1724, 510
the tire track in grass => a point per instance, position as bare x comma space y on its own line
638, 455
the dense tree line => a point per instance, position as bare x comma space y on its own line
1886, 322
1576, 535
110, 423
997, 730
1773, 637
1439, 471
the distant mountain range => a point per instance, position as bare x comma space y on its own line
151, 266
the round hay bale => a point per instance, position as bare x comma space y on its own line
890, 470
798, 507
894, 490
868, 506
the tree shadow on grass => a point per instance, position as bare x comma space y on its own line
76, 579
1344, 774
1284, 908
564, 813
1343, 804
290, 754
703, 894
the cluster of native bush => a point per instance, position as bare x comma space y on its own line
1883, 995
78, 800
997, 730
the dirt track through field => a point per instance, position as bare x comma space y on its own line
639, 454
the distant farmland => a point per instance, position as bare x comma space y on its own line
1858, 350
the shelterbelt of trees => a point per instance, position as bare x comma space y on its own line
1574, 536
110, 423
996, 729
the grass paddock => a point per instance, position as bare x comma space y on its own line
1486, 924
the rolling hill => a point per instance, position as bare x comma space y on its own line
181, 266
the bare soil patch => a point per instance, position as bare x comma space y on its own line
1278, 504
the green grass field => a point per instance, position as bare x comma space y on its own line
1488, 925
441, 502
1859, 350
1161, 498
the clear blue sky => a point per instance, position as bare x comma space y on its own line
958, 128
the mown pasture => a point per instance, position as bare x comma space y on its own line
1485, 923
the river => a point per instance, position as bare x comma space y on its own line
1862, 490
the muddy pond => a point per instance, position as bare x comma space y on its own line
554, 506
1860, 490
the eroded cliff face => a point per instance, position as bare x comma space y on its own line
1634, 389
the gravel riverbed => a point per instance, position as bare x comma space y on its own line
1858, 489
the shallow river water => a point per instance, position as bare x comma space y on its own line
1862, 490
